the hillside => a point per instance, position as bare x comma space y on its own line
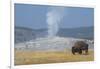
82, 32
23, 34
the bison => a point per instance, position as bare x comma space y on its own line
80, 46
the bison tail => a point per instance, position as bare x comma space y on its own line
73, 51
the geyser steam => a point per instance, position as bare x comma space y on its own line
54, 17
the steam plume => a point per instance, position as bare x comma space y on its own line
54, 17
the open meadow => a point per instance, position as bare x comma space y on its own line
31, 57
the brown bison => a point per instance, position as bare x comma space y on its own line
80, 46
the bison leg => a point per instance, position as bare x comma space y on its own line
86, 51
80, 51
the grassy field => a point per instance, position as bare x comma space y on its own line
31, 57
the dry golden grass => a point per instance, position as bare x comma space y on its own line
29, 57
